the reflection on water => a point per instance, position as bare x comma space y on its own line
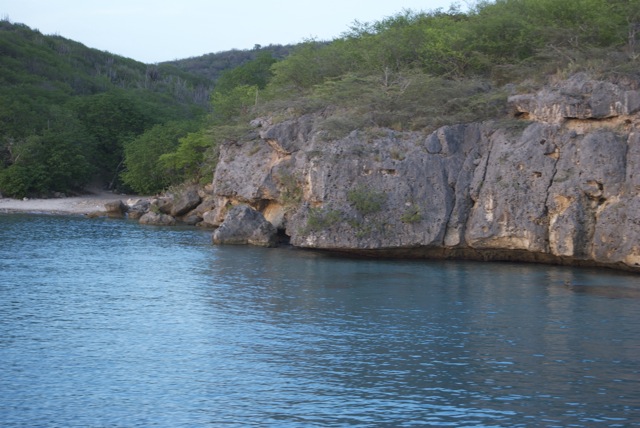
613, 291
108, 323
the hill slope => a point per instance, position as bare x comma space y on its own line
67, 110
212, 65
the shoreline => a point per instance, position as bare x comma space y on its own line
93, 205
73, 205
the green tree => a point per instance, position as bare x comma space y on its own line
228, 106
513, 30
445, 50
190, 160
238, 89
143, 172
112, 119
256, 72
54, 161
63, 104
305, 67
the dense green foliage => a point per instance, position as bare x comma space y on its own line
211, 66
366, 201
142, 172
171, 153
419, 71
69, 113
462, 45
238, 89
55, 159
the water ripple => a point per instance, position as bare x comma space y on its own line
108, 323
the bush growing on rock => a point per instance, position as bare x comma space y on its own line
366, 200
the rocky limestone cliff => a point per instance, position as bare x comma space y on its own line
557, 183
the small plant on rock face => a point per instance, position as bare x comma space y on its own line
255, 149
291, 191
397, 155
154, 209
364, 231
412, 214
366, 201
319, 219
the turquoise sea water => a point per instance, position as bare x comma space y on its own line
107, 323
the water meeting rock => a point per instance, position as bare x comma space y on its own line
558, 182
244, 225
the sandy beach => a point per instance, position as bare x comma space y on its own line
79, 205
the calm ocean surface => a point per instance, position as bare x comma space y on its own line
106, 323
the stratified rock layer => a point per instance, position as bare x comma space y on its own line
560, 184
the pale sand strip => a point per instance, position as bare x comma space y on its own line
74, 205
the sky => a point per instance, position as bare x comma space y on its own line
153, 31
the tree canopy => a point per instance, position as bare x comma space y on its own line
67, 111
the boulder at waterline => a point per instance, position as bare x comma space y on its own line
157, 219
186, 201
244, 225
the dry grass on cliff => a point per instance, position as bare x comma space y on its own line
403, 101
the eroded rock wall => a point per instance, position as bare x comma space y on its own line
559, 184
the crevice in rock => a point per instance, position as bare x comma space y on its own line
548, 195
595, 193
447, 227
625, 162
275, 145
475, 191
590, 124
260, 204
553, 154
282, 238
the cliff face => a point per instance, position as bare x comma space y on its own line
559, 183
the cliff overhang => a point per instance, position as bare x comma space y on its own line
558, 182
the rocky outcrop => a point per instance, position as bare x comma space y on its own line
185, 201
157, 219
137, 208
557, 183
115, 208
244, 225
188, 205
163, 204
579, 98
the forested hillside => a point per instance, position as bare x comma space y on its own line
412, 71
213, 65
67, 111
